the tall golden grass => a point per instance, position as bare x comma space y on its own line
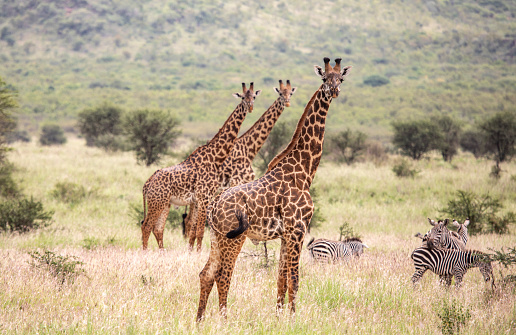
126, 290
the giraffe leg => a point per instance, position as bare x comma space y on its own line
207, 277
193, 226
159, 227
282, 277
148, 225
201, 220
229, 250
294, 254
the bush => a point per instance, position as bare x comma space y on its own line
52, 134
481, 212
101, 126
348, 145
150, 133
415, 138
22, 215
68, 192
507, 259
471, 141
346, 231
8, 187
447, 139
64, 268
453, 316
403, 169
376, 81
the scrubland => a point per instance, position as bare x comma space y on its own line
126, 290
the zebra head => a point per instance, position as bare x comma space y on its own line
438, 234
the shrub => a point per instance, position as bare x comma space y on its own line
8, 187
64, 268
507, 259
348, 145
453, 316
376, 152
481, 212
376, 80
346, 231
150, 133
68, 192
415, 138
22, 215
52, 134
403, 169
471, 141
101, 126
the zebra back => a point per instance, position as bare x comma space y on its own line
328, 250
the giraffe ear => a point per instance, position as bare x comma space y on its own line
238, 95
277, 90
345, 71
292, 90
319, 71
257, 93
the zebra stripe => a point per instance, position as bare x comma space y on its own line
328, 250
440, 237
448, 262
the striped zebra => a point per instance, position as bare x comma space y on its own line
440, 237
449, 262
328, 250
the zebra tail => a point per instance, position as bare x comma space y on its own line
309, 243
183, 223
243, 224
365, 245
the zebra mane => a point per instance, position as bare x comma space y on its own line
311, 241
351, 239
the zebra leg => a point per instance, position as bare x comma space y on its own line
458, 278
417, 275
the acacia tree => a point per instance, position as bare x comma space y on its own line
150, 133
448, 136
101, 126
349, 145
499, 135
415, 138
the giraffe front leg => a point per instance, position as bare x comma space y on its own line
159, 227
294, 255
282, 277
201, 220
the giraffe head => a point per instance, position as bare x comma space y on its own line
285, 92
331, 77
247, 96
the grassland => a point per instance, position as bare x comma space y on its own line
126, 290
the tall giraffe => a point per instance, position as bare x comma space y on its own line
237, 168
277, 205
195, 180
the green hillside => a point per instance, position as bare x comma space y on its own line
440, 57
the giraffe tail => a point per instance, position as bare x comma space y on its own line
243, 224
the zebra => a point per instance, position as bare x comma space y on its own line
440, 236
328, 250
462, 230
450, 262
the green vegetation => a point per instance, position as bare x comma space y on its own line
453, 316
23, 215
52, 134
64, 268
440, 58
101, 125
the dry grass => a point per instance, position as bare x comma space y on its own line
126, 290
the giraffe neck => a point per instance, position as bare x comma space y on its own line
254, 138
221, 144
302, 156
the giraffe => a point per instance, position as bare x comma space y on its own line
277, 205
237, 168
195, 180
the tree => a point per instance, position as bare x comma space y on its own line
279, 137
499, 135
448, 136
415, 138
471, 141
7, 121
349, 145
101, 126
52, 134
150, 133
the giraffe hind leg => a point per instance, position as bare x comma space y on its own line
207, 278
159, 227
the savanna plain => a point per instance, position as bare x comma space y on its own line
122, 289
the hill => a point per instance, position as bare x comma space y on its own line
436, 57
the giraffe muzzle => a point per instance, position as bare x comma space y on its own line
287, 104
